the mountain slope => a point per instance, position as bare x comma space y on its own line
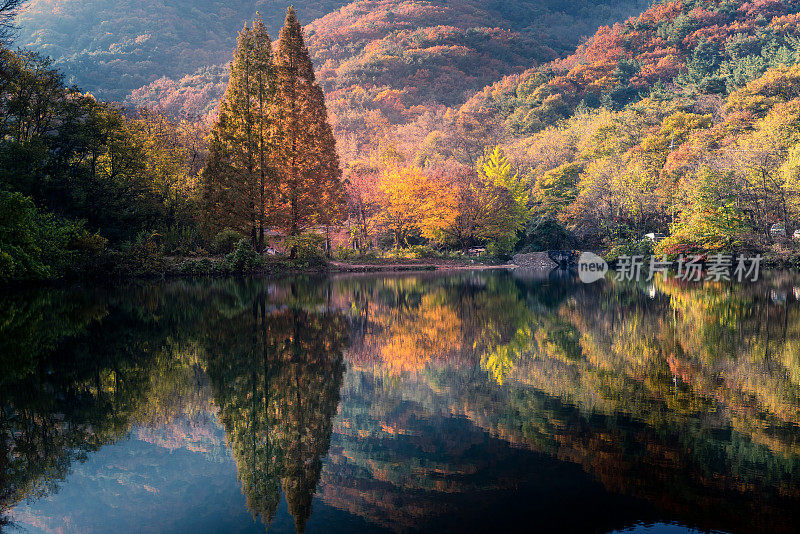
432, 45
381, 62
114, 46
390, 63
681, 121
111, 47
691, 46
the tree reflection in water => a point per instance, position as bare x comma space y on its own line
684, 397
275, 374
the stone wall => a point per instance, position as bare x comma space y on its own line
534, 260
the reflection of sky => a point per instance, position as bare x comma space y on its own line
146, 484
659, 528
181, 477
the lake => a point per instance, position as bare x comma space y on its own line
459, 402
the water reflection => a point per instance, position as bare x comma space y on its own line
413, 402
275, 376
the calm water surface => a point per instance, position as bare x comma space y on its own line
446, 403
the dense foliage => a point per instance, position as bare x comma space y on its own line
273, 160
34, 245
83, 172
85, 184
680, 121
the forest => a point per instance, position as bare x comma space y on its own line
388, 129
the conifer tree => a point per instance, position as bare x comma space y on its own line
310, 173
240, 178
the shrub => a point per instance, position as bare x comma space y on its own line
82, 241
203, 266
422, 251
142, 257
307, 249
196, 267
226, 241
495, 253
676, 245
188, 268
630, 247
369, 255
345, 253
546, 234
220, 268
180, 239
244, 258
36, 245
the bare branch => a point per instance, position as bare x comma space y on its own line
8, 13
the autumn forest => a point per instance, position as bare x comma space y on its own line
322, 267
394, 129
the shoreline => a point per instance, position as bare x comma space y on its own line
174, 268
397, 267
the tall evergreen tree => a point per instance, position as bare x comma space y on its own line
240, 179
310, 173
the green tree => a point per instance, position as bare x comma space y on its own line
240, 179
79, 158
36, 245
497, 170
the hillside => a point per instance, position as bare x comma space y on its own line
135, 44
645, 127
425, 53
704, 47
112, 47
433, 51
648, 127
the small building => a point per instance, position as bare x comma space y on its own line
654, 237
778, 230
273, 240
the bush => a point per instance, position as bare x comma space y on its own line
244, 258
36, 245
307, 249
495, 253
226, 241
203, 266
188, 268
82, 241
142, 257
345, 253
546, 234
640, 247
220, 268
180, 240
419, 252
196, 267
676, 245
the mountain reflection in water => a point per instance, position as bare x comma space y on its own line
401, 403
